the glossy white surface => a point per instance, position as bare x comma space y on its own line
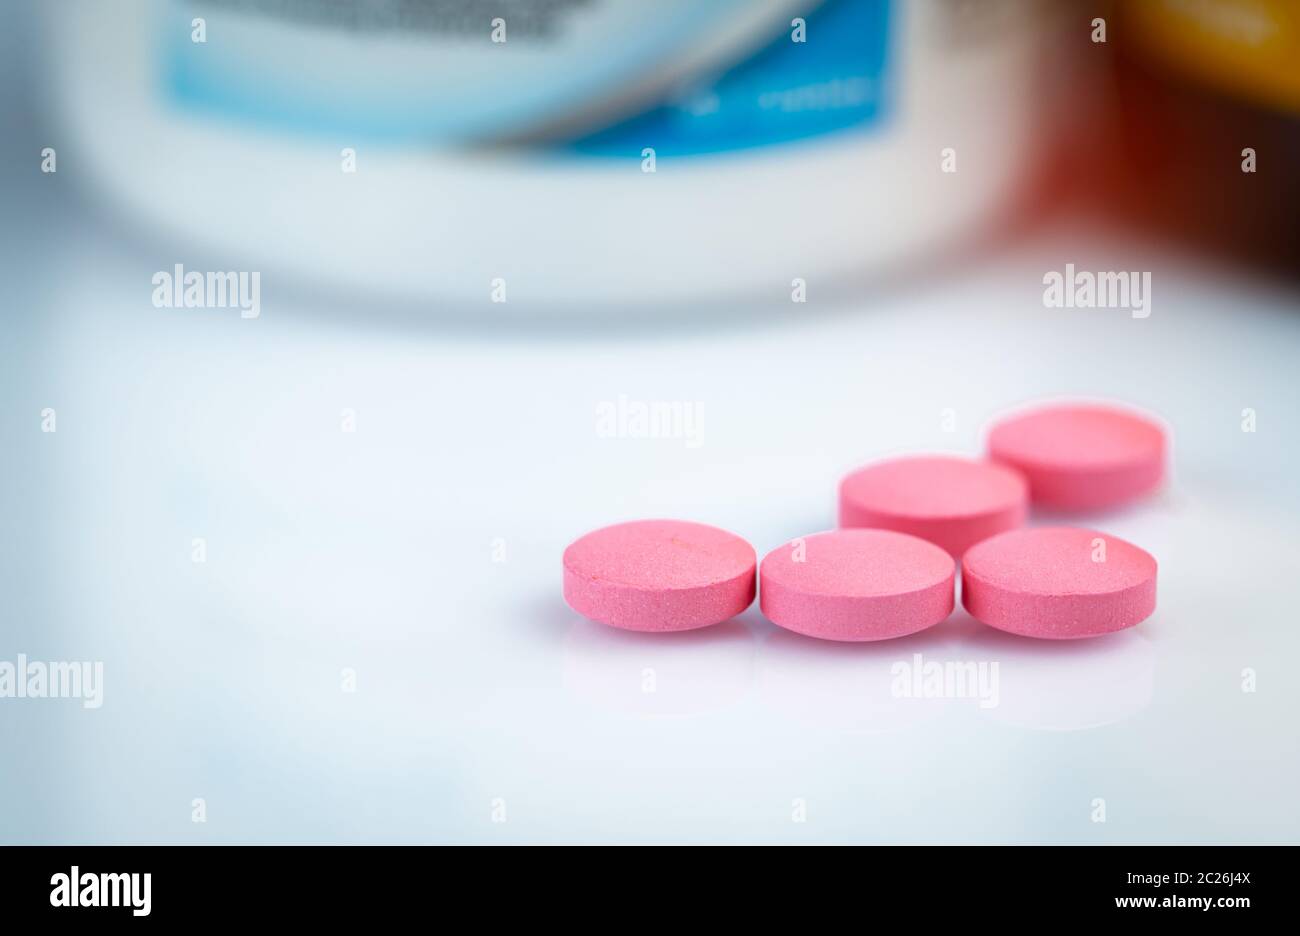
374, 551
478, 691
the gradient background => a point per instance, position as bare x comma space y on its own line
373, 550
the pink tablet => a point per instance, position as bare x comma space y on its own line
1082, 456
952, 502
659, 575
857, 585
1058, 583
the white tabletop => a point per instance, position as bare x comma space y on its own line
484, 709
480, 696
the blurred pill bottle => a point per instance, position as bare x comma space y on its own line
1208, 104
574, 152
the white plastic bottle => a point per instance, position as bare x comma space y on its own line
658, 150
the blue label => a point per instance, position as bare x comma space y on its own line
834, 80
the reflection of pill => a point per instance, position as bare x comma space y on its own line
1085, 684
1058, 582
857, 585
952, 502
682, 673
659, 575
1081, 456
834, 685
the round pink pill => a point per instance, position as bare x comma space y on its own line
659, 575
1082, 456
857, 585
1058, 583
952, 502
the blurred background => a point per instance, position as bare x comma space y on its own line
312, 525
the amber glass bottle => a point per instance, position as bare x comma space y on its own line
1207, 100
